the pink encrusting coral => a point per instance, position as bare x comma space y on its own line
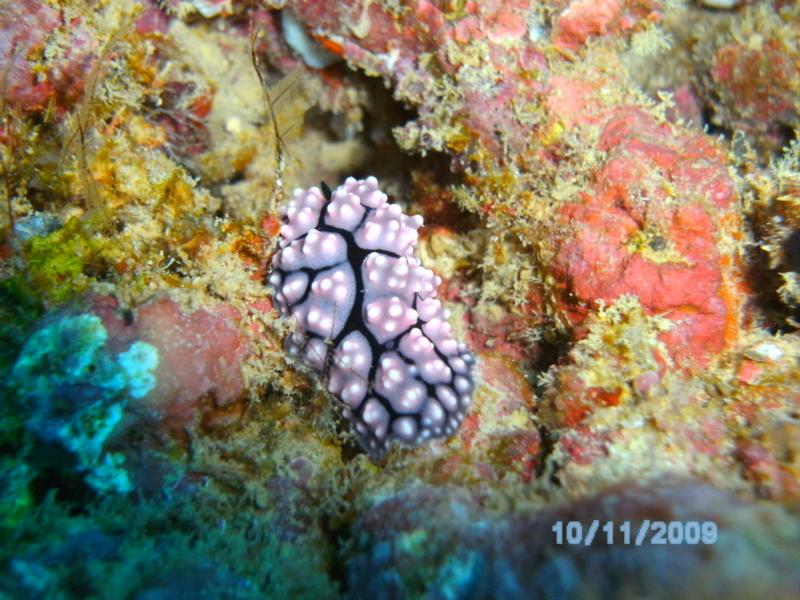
663, 250
201, 353
369, 320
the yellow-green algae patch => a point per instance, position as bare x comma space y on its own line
64, 263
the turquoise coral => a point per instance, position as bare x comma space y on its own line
78, 392
138, 362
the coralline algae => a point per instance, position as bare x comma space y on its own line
369, 321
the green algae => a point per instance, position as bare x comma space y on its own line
20, 309
64, 263
16, 500
200, 541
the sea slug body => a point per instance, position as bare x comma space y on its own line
368, 319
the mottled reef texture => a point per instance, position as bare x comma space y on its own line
611, 196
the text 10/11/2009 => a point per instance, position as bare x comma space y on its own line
627, 533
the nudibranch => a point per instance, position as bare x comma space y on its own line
368, 320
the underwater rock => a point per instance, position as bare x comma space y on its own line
16, 499
153, 20
34, 78
209, 9
722, 4
586, 19
617, 409
182, 114
498, 442
369, 321
36, 224
748, 75
87, 378
769, 451
468, 552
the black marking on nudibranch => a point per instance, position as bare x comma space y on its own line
369, 321
325, 190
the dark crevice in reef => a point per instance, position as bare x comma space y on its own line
764, 283
549, 353
384, 160
783, 133
711, 127
394, 168
349, 446
547, 447
339, 537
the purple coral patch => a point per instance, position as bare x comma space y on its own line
369, 321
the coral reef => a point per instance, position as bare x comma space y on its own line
610, 191
46, 52
749, 74
76, 392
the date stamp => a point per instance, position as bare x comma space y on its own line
646, 532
